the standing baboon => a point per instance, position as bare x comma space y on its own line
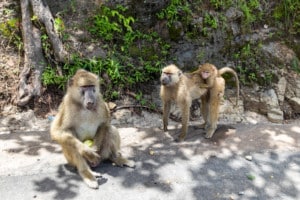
182, 89
83, 115
210, 102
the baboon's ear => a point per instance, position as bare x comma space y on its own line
179, 73
70, 82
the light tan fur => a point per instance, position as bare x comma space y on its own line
81, 117
210, 102
182, 89
206, 75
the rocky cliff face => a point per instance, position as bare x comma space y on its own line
262, 52
261, 48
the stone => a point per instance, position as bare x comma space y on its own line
275, 116
279, 51
281, 88
248, 157
295, 103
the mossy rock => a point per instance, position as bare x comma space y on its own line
176, 31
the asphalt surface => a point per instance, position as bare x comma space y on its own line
242, 161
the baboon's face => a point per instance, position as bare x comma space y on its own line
170, 75
88, 96
206, 70
84, 89
205, 74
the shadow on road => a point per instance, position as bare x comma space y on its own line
214, 168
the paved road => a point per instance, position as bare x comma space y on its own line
242, 161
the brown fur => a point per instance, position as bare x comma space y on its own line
206, 75
182, 89
81, 117
210, 102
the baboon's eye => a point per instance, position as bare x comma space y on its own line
82, 91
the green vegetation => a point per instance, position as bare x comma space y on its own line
10, 30
139, 55
136, 59
251, 12
250, 66
211, 21
136, 54
178, 10
109, 23
59, 26
287, 12
296, 65
221, 4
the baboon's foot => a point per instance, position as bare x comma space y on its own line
90, 179
121, 162
210, 132
180, 138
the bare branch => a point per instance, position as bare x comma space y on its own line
41, 9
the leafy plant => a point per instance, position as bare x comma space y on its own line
139, 97
249, 68
46, 44
288, 13
109, 23
177, 10
296, 65
219, 4
210, 21
134, 58
120, 76
59, 25
10, 29
251, 12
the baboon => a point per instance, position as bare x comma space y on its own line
205, 75
83, 115
210, 102
182, 89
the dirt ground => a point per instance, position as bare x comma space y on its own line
242, 161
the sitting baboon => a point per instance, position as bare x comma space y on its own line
83, 115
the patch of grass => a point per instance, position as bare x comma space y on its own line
249, 68
287, 12
177, 10
10, 30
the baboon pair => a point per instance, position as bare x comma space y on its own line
205, 83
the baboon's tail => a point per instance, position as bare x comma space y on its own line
229, 70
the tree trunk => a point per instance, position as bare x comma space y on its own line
41, 9
34, 60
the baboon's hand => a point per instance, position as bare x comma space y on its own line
91, 155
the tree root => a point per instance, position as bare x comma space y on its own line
34, 60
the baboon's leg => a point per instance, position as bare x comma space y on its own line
110, 146
166, 113
204, 110
216, 94
185, 115
74, 158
